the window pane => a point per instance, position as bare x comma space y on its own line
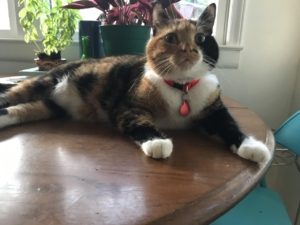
90, 14
4, 17
192, 9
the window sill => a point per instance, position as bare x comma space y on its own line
229, 57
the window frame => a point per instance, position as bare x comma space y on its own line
230, 22
13, 32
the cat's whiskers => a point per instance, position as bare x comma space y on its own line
163, 60
133, 84
166, 69
218, 71
162, 70
163, 65
209, 60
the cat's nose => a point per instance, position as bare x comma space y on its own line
187, 49
184, 47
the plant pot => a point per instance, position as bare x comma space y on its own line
124, 39
47, 62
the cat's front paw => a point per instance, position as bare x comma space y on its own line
254, 150
158, 148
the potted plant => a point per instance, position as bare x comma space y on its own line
125, 24
47, 21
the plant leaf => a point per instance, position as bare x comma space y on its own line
81, 4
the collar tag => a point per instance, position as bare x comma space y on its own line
184, 108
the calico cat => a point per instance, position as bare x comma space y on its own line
170, 87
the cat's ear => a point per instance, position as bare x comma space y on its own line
160, 17
206, 21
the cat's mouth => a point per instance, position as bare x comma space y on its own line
184, 63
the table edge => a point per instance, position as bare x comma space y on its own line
189, 215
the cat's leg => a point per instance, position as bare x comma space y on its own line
27, 112
138, 124
219, 121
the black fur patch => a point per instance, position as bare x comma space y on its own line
120, 79
218, 121
60, 71
3, 112
41, 87
211, 51
55, 109
136, 123
67, 69
3, 101
135, 128
143, 133
85, 83
5, 87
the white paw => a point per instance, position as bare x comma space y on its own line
254, 150
158, 148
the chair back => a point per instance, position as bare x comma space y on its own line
288, 135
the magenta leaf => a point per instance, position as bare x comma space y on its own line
85, 4
103, 4
125, 11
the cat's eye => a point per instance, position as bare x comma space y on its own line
171, 38
199, 39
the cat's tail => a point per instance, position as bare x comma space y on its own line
30, 90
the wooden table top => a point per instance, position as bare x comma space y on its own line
64, 172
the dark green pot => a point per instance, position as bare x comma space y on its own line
124, 39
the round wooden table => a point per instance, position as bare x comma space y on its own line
64, 172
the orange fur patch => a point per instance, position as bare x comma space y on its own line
29, 111
149, 97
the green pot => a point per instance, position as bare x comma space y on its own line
124, 39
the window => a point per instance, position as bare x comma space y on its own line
192, 9
4, 17
8, 26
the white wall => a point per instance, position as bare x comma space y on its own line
266, 77
296, 98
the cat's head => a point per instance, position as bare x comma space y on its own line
182, 49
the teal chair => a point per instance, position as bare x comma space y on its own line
262, 206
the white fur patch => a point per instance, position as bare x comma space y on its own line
158, 148
7, 120
198, 97
254, 150
66, 95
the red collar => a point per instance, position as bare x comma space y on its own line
184, 108
183, 87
